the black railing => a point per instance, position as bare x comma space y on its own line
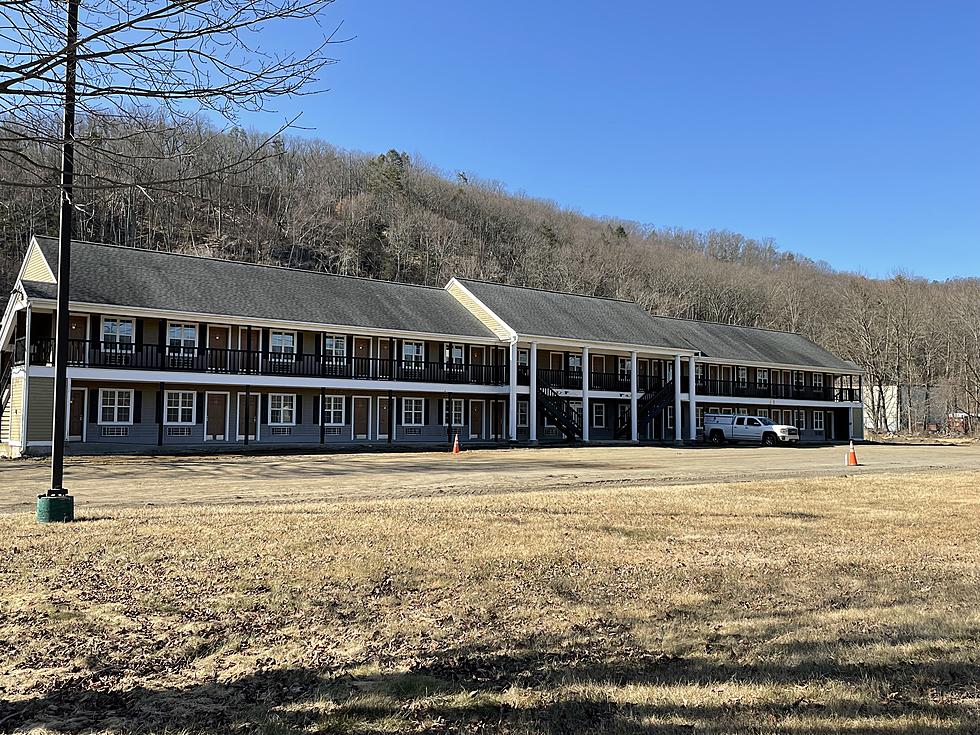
564, 379
795, 391
247, 362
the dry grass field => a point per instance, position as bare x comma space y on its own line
813, 605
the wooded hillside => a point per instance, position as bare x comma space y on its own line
307, 204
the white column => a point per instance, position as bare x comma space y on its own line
678, 438
25, 397
532, 407
634, 419
512, 422
585, 394
692, 410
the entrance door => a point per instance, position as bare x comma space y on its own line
218, 344
362, 357
476, 419
362, 411
477, 355
383, 418
497, 419
384, 356
76, 339
76, 415
253, 416
217, 417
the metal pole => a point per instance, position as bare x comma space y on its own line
64, 260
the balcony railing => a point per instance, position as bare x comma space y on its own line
744, 389
246, 362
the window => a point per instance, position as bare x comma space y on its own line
181, 338
282, 343
818, 380
413, 352
333, 410
180, 406
625, 365
699, 372
754, 422
452, 411
574, 363
801, 420
699, 417
818, 421
599, 415
670, 417
282, 409
727, 411
413, 412
577, 410
115, 406
523, 358
764, 413
798, 378
762, 378
453, 354
743, 376
740, 421
117, 334
523, 409
622, 413
178, 431
334, 347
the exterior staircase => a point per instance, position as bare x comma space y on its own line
557, 408
4, 401
650, 404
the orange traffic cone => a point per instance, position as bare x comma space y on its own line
456, 443
852, 458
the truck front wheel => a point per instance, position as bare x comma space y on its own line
769, 440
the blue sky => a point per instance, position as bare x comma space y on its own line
847, 131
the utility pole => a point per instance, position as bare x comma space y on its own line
57, 504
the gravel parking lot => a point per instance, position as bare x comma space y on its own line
137, 481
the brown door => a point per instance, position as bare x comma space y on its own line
476, 419
362, 409
477, 355
218, 339
384, 354
76, 415
498, 420
253, 415
217, 417
362, 357
383, 417
76, 338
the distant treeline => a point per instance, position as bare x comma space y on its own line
306, 204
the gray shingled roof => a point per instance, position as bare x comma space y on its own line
542, 313
149, 279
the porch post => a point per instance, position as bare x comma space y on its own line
27, 381
532, 406
512, 395
585, 394
678, 439
692, 410
634, 419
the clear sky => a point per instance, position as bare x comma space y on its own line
848, 131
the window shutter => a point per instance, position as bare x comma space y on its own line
425, 411
349, 408
199, 397
93, 405
139, 333
317, 409
442, 412
395, 412
95, 327
299, 408
318, 345
264, 408
137, 406
162, 335
158, 405
266, 342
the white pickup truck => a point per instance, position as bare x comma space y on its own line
723, 427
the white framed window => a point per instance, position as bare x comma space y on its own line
181, 338
818, 421
798, 378
334, 408
574, 363
818, 380
115, 406
413, 411
801, 419
622, 411
764, 413
699, 417
523, 408
282, 409
452, 412
180, 407
599, 415
743, 376
334, 346
282, 343
523, 357
453, 354
699, 372
413, 352
670, 417
762, 377
118, 334
727, 411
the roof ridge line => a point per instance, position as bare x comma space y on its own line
548, 290
739, 326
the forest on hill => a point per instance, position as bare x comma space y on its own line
306, 204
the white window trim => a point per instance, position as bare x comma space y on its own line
404, 407
132, 406
343, 410
413, 360
762, 376
818, 418
448, 350
598, 408
270, 422
335, 338
117, 346
197, 333
699, 417
524, 357
280, 355
462, 411
167, 422
522, 423
243, 339
818, 380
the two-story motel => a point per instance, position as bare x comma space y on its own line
173, 351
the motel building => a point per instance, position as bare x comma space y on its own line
170, 352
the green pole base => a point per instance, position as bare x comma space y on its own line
55, 508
